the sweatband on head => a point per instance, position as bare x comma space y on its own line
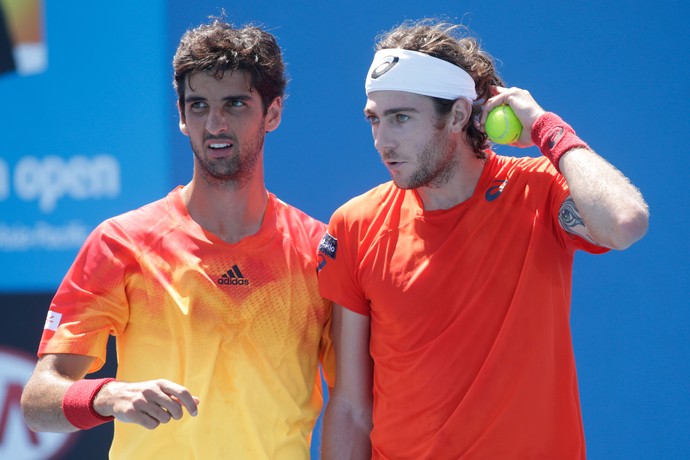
396, 69
77, 404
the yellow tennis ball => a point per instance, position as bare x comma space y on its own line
502, 125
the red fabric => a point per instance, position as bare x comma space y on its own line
77, 404
469, 311
555, 137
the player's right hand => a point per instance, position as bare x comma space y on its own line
148, 403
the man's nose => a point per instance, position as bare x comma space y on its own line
216, 122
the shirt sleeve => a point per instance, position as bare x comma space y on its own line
338, 265
91, 302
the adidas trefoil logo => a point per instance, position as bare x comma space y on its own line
233, 276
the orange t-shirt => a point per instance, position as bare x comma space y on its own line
469, 312
242, 326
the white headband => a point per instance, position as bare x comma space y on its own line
398, 69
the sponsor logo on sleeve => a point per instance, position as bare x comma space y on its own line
53, 320
327, 248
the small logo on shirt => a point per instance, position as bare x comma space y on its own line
53, 320
327, 247
233, 276
494, 192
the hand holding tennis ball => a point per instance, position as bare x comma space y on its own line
502, 125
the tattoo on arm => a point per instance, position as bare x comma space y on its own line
571, 221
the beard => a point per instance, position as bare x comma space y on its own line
234, 170
436, 164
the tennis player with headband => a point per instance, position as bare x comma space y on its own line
452, 282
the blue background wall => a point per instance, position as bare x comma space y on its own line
617, 71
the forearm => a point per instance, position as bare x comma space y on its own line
42, 405
346, 432
613, 209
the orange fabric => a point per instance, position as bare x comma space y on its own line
241, 325
469, 313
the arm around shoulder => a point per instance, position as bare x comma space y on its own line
348, 417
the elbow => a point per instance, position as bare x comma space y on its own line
631, 226
26, 410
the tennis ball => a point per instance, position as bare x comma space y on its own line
502, 125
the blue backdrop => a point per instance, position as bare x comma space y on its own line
617, 71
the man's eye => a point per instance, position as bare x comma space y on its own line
372, 120
237, 103
198, 105
401, 118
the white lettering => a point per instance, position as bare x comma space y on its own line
53, 178
41, 235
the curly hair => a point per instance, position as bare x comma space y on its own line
218, 47
455, 44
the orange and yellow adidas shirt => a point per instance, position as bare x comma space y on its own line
242, 326
469, 311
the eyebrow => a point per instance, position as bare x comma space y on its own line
237, 97
392, 111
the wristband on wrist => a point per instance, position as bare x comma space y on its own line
77, 404
555, 137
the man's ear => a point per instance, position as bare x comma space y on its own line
273, 114
461, 113
183, 121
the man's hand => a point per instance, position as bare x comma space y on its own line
524, 106
148, 403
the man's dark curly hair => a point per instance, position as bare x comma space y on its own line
218, 47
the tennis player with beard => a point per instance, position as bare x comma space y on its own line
211, 292
452, 282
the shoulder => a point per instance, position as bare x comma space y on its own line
527, 164
142, 225
296, 223
534, 174
367, 205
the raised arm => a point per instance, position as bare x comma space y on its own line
606, 207
613, 211
347, 420
148, 403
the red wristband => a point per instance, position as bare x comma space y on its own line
554, 137
77, 404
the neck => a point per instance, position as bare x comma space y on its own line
230, 213
458, 188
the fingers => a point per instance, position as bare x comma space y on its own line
150, 403
181, 400
523, 104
